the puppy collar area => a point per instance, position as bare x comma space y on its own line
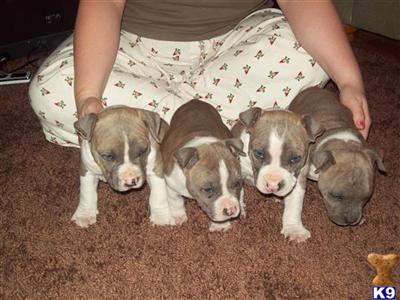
343, 135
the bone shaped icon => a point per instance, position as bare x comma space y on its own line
383, 265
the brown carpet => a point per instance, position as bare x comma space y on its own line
44, 255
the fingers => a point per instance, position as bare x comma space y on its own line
91, 105
354, 99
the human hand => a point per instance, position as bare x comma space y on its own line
90, 105
354, 99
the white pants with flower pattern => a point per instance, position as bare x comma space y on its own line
258, 63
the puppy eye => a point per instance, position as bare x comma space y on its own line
258, 153
295, 159
237, 184
207, 189
142, 151
108, 156
337, 196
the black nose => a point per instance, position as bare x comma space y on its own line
281, 184
228, 212
131, 184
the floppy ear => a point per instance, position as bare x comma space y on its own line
84, 126
376, 158
186, 157
249, 117
314, 128
236, 146
152, 121
322, 160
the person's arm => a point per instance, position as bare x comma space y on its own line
319, 30
96, 41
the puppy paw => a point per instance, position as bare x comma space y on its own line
276, 199
180, 219
84, 219
296, 233
220, 226
162, 219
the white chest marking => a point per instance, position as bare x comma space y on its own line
88, 160
177, 181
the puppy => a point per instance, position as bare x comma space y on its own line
120, 145
200, 162
340, 161
277, 143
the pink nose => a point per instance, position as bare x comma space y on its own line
230, 211
273, 186
131, 181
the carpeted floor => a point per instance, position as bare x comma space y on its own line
44, 255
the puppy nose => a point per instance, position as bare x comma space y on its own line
230, 211
131, 182
351, 219
274, 186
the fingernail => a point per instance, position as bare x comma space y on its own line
361, 124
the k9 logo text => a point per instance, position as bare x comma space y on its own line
384, 293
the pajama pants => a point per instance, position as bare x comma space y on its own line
258, 63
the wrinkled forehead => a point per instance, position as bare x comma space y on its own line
216, 156
279, 127
118, 127
355, 162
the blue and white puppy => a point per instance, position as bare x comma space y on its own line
277, 143
120, 145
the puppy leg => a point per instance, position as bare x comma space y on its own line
242, 204
177, 206
225, 226
292, 226
160, 213
85, 214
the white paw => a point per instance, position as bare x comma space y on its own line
296, 233
225, 226
180, 219
84, 218
276, 199
162, 219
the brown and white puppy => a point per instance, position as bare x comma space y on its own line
120, 145
277, 143
340, 161
201, 163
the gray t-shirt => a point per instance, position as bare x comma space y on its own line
186, 20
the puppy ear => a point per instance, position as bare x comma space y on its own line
152, 120
376, 158
236, 146
84, 126
249, 117
322, 161
186, 157
314, 128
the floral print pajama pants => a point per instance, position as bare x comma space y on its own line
258, 63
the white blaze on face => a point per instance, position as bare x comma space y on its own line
227, 205
129, 175
273, 178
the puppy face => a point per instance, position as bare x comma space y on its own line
345, 181
213, 178
278, 150
120, 142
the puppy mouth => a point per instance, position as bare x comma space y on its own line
122, 187
342, 223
